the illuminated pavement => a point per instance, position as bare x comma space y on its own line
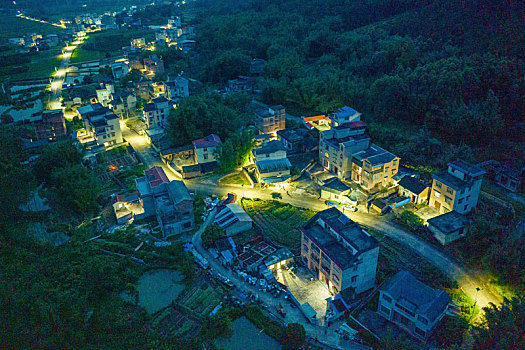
468, 279
59, 78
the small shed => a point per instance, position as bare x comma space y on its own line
448, 227
334, 190
414, 189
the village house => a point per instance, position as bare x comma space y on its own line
205, 148
154, 65
374, 168
335, 190
271, 164
292, 139
233, 219
457, 188
242, 84
123, 103
340, 252
412, 305
101, 125
169, 201
414, 189
270, 120
448, 227
257, 66
178, 87
338, 145
51, 125
104, 94
138, 43
344, 115
156, 112
119, 69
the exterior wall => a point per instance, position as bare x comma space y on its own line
442, 197
271, 123
205, 155
330, 196
157, 118
261, 177
361, 276
445, 239
104, 96
378, 176
239, 226
274, 155
387, 307
415, 198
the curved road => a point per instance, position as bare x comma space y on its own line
468, 279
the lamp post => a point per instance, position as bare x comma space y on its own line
476, 297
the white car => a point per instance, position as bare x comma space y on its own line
350, 208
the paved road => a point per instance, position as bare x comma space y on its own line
468, 279
326, 335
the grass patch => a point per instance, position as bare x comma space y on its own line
235, 179
82, 55
42, 65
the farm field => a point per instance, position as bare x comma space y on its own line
278, 221
13, 27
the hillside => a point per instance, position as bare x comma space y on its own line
453, 71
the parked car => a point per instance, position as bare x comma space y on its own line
332, 204
350, 208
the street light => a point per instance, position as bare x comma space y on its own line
476, 297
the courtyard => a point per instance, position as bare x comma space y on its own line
306, 288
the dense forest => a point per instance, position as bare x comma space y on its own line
436, 79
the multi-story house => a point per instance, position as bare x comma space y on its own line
52, 126
205, 148
119, 69
344, 115
374, 167
271, 120
412, 305
169, 201
156, 112
338, 145
104, 94
271, 164
123, 103
342, 254
457, 188
154, 65
178, 87
101, 125
269, 150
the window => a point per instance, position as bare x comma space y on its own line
448, 200
437, 194
385, 310
465, 207
187, 224
205, 149
422, 319
387, 298
420, 332
450, 190
468, 197
267, 156
205, 156
354, 279
438, 184
394, 162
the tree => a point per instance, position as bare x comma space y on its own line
503, 327
211, 234
294, 336
16, 181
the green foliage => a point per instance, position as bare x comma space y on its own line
71, 186
15, 180
134, 75
65, 298
461, 84
211, 234
503, 327
235, 151
410, 219
294, 336
200, 115
217, 326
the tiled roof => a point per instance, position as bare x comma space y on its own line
416, 296
412, 184
211, 140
